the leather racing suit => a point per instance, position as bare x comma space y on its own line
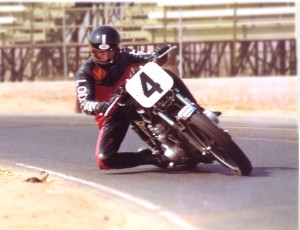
94, 86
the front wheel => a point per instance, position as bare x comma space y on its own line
210, 139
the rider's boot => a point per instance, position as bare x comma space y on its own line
134, 159
147, 157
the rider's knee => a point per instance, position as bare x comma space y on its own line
105, 161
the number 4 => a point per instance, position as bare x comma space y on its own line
146, 82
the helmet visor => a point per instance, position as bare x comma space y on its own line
104, 57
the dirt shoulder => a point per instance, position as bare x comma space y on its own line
59, 204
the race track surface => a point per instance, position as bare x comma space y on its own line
207, 197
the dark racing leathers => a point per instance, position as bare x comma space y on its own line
95, 85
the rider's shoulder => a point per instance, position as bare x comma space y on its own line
87, 62
86, 66
134, 52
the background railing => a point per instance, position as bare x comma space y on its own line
48, 41
200, 59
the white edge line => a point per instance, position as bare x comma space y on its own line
173, 218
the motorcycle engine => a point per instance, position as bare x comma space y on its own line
175, 154
170, 144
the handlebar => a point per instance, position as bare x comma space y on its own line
167, 51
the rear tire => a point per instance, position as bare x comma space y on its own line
208, 138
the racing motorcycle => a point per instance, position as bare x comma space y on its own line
170, 121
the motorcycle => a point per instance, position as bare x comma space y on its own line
170, 121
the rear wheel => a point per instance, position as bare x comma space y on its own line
210, 139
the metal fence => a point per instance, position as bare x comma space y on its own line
199, 59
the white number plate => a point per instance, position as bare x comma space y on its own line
149, 84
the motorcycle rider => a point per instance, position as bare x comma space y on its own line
96, 81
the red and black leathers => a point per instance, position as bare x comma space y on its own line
95, 85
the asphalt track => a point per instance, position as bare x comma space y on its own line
208, 197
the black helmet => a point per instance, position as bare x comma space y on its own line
105, 45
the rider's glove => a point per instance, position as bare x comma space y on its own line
101, 107
161, 49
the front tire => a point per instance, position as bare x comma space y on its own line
208, 138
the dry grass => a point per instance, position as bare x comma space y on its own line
272, 94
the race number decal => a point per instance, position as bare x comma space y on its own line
149, 84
